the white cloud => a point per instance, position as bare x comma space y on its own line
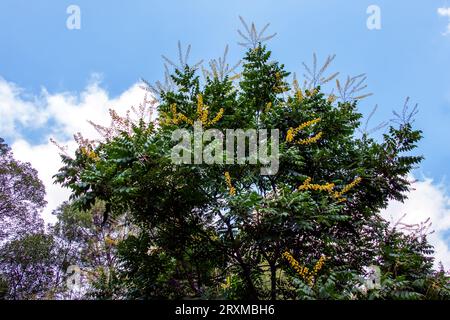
59, 115
426, 200
16, 109
445, 12
71, 112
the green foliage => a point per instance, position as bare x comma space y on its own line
3, 288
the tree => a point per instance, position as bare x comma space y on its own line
27, 266
90, 246
25, 263
21, 196
225, 230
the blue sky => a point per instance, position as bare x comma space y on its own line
409, 56
123, 41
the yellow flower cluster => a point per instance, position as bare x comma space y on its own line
319, 264
229, 184
110, 242
278, 76
279, 85
328, 187
176, 117
202, 111
236, 76
292, 132
202, 114
351, 185
217, 117
88, 152
311, 140
331, 98
310, 93
299, 94
297, 90
302, 271
347, 188
227, 283
316, 187
289, 135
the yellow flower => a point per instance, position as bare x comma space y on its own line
294, 263
308, 123
302, 271
316, 187
92, 155
217, 117
88, 152
299, 95
295, 84
347, 188
310, 280
173, 108
185, 119
290, 135
311, 140
351, 185
231, 189
202, 110
199, 105
227, 283
236, 76
175, 115
292, 132
204, 117
319, 264
331, 98
202, 114
329, 187
310, 93
110, 242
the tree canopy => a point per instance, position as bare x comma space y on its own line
225, 230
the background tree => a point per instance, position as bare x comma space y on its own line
89, 244
27, 266
25, 251
21, 196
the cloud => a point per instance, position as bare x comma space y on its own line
16, 109
71, 112
445, 12
57, 115
426, 200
